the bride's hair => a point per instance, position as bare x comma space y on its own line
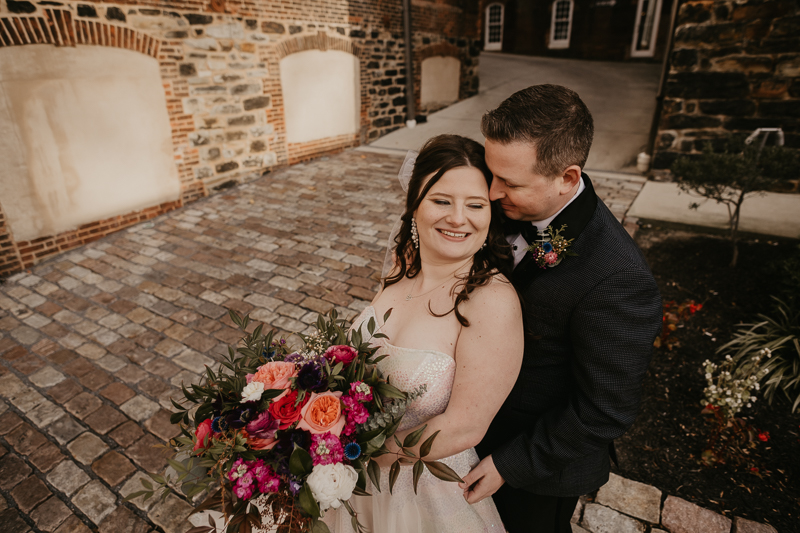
440, 154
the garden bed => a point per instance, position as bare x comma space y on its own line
664, 445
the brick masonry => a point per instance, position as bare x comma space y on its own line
735, 67
219, 65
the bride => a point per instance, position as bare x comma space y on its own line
455, 326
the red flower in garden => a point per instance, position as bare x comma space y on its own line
763, 436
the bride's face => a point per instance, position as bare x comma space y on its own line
453, 218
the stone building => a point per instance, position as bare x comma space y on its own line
735, 67
611, 30
115, 112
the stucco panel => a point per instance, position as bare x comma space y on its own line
84, 135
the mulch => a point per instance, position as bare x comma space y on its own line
664, 445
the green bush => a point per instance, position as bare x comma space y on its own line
781, 335
728, 176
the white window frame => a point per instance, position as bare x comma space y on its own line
654, 32
561, 43
486, 44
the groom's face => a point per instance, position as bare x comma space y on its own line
523, 194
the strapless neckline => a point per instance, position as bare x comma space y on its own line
369, 311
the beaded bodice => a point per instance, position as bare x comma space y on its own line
408, 368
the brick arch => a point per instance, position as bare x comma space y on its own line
59, 28
321, 41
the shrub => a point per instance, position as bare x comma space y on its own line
729, 176
781, 335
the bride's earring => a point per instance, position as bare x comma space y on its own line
484, 243
414, 233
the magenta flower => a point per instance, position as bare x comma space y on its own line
326, 449
268, 481
354, 410
361, 391
238, 469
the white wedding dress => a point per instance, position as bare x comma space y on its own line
438, 506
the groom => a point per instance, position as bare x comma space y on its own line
590, 318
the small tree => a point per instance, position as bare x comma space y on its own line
729, 176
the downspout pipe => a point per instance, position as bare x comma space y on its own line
411, 101
665, 65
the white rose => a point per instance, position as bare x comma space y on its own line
331, 483
252, 392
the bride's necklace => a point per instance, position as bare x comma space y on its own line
438, 285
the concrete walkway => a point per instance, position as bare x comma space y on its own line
94, 343
621, 97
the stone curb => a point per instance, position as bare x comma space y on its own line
626, 506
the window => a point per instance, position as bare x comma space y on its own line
493, 38
561, 25
645, 28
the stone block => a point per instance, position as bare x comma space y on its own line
171, 514
73, 524
46, 413
10, 518
83, 405
134, 484
139, 408
118, 393
145, 454
46, 377
67, 477
51, 514
632, 498
30, 493
46, 457
113, 468
12, 471
123, 520
708, 85
87, 447
95, 501
680, 516
127, 434
600, 519
65, 429
742, 525
105, 419
161, 427
25, 439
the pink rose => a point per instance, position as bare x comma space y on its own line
550, 258
203, 430
323, 413
341, 354
275, 375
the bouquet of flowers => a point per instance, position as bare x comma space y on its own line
285, 435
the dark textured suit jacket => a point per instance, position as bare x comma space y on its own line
590, 324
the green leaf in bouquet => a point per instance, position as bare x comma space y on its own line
371, 325
380, 358
174, 418
387, 314
257, 331
390, 391
235, 317
362, 438
442, 471
136, 494
418, 469
394, 471
392, 428
412, 439
374, 444
425, 449
319, 527
397, 441
374, 473
300, 462
408, 453
358, 491
338, 368
307, 502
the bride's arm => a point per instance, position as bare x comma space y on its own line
488, 359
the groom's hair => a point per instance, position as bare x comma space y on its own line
552, 118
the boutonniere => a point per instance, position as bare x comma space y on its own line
551, 247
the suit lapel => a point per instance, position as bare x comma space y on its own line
576, 216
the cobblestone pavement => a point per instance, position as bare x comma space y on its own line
94, 342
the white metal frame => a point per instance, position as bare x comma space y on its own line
486, 44
656, 16
561, 43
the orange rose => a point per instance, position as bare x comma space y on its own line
323, 413
275, 375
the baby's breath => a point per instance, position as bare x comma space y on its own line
731, 392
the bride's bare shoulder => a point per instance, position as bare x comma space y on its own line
498, 293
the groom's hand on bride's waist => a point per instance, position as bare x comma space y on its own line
482, 481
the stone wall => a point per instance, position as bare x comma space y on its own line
220, 69
735, 67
